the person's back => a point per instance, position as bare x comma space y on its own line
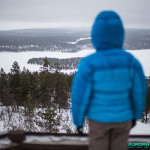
112, 75
109, 87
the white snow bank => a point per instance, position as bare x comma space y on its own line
57, 140
140, 129
5, 143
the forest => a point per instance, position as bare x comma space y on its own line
68, 63
40, 101
44, 94
64, 40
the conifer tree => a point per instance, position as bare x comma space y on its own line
61, 91
46, 65
4, 92
24, 87
48, 120
14, 81
29, 113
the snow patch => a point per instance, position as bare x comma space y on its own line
140, 129
81, 39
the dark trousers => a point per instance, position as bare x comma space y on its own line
109, 136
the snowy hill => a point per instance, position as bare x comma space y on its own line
64, 40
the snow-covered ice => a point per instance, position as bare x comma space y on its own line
8, 58
144, 57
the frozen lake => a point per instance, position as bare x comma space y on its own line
8, 58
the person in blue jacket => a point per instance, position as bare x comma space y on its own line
109, 87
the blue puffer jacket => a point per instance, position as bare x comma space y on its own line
110, 85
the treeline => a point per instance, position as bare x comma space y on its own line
43, 40
36, 99
69, 63
44, 88
47, 87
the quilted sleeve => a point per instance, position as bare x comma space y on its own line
81, 91
139, 91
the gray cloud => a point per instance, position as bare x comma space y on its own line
134, 13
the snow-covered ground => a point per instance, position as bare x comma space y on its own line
18, 121
140, 129
8, 58
10, 119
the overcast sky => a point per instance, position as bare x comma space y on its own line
17, 14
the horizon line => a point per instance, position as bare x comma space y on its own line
67, 27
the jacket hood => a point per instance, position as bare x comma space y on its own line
107, 31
